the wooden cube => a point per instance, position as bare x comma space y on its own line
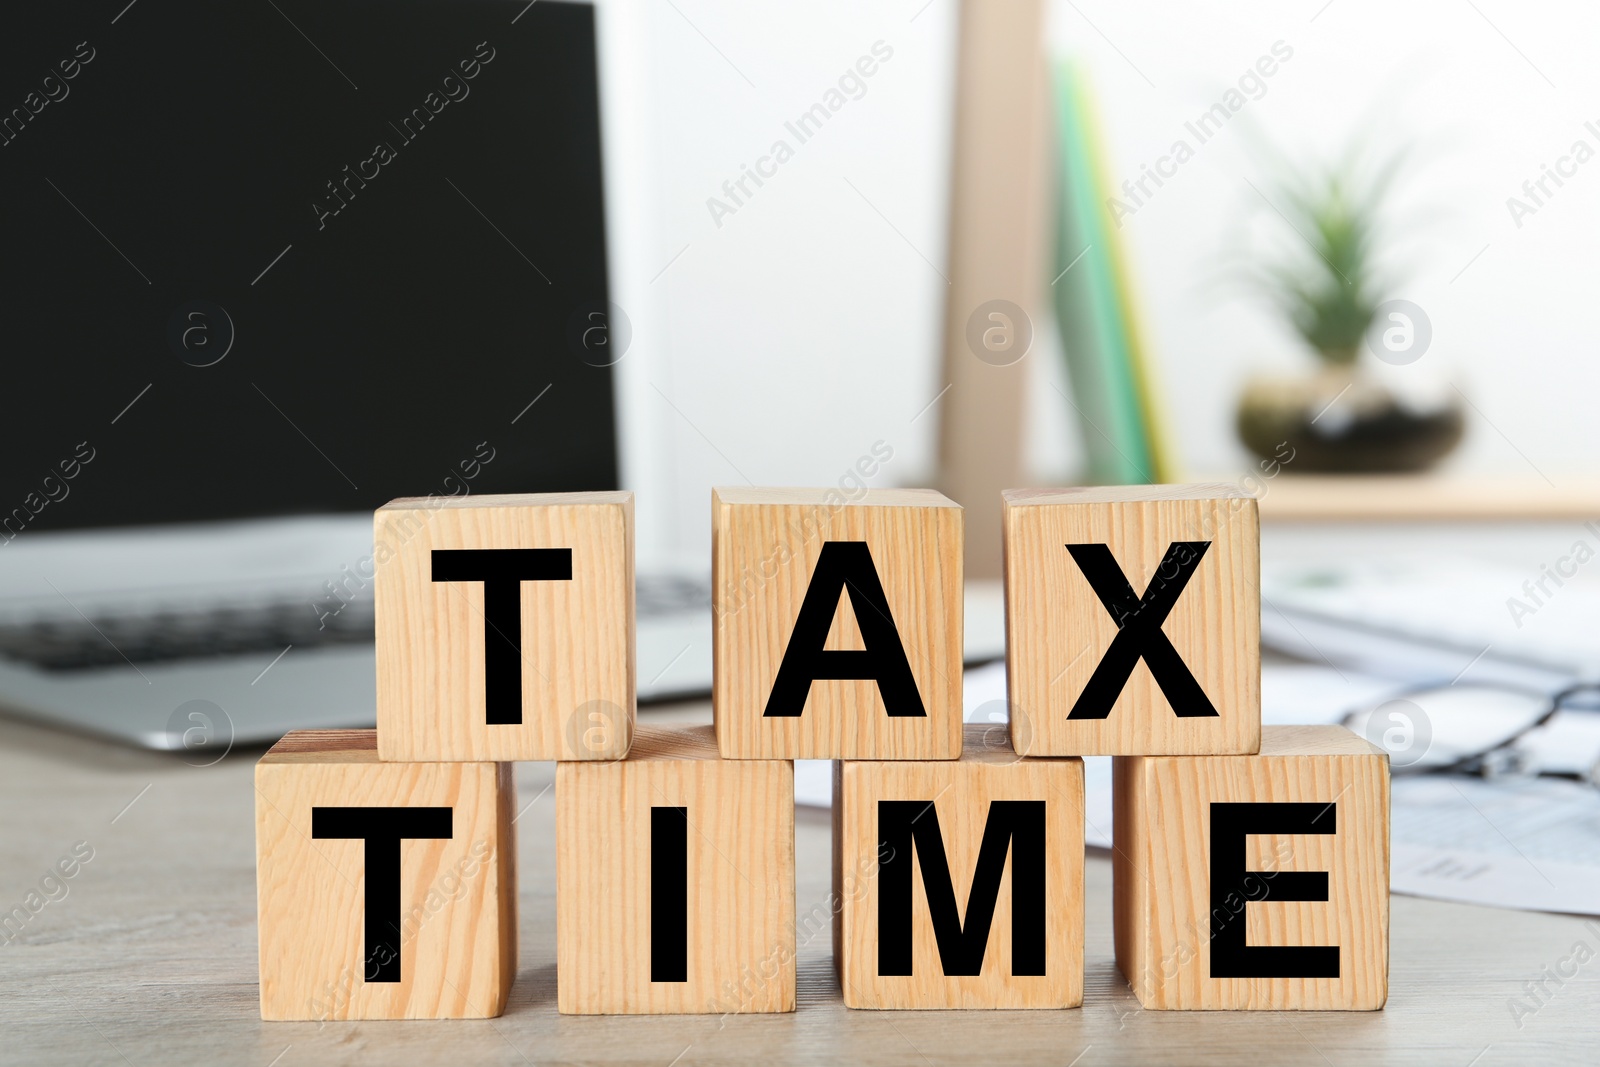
959, 884
385, 890
1256, 882
1133, 620
505, 627
836, 624
675, 880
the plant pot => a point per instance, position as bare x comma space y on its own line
1344, 421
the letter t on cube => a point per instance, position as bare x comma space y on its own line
505, 627
385, 890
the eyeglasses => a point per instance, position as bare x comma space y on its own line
1472, 728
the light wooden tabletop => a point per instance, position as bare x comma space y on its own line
1342, 498
150, 957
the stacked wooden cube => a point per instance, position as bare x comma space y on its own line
1251, 865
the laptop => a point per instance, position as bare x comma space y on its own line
279, 265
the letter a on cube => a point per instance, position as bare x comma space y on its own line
675, 881
959, 884
836, 624
505, 627
385, 890
1133, 620
1256, 882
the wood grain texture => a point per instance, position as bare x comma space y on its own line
577, 636
959, 795
1163, 900
765, 546
458, 896
740, 906
1057, 629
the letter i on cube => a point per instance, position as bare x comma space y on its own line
675, 880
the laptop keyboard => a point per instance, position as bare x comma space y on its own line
76, 643
670, 594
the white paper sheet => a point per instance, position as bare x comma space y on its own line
1529, 843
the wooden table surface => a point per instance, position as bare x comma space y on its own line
150, 957
1360, 498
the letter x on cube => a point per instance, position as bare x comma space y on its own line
1133, 622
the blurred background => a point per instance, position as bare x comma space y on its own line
814, 311
315, 257
268, 265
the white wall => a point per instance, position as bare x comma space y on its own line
781, 344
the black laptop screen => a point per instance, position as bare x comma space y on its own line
279, 256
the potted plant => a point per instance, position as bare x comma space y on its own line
1326, 281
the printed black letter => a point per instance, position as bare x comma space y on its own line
1018, 825
382, 829
1230, 956
845, 565
502, 572
669, 894
1139, 630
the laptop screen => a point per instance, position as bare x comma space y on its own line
285, 256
